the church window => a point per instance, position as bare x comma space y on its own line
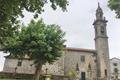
19, 63
83, 76
82, 58
116, 77
96, 30
105, 72
115, 70
89, 67
102, 29
95, 60
115, 64
77, 67
100, 15
112, 77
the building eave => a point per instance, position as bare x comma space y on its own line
80, 49
115, 58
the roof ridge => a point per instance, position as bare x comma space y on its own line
80, 49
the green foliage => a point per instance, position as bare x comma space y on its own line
72, 73
40, 41
115, 6
10, 10
13, 9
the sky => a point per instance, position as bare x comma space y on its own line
77, 23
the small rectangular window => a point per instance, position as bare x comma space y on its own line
19, 63
82, 58
105, 72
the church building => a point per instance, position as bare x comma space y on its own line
86, 64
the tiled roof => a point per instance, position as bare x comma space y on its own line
80, 49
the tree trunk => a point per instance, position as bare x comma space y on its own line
38, 72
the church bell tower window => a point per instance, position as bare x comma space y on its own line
102, 29
95, 30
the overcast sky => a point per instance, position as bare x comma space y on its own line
77, 23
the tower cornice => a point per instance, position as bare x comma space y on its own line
101, 37
104, 21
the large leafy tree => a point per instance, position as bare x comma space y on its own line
10, 10
115, 6
42, 43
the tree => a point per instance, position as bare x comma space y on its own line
10, 10
115, 5
42, 43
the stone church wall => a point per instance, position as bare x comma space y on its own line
27, 67
73, 59
11, 66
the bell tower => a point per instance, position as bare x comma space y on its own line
101, 45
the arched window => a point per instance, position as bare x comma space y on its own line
102, 29
96, 30
77, 67
89, 67
105, 72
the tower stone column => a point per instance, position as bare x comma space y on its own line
101, 45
